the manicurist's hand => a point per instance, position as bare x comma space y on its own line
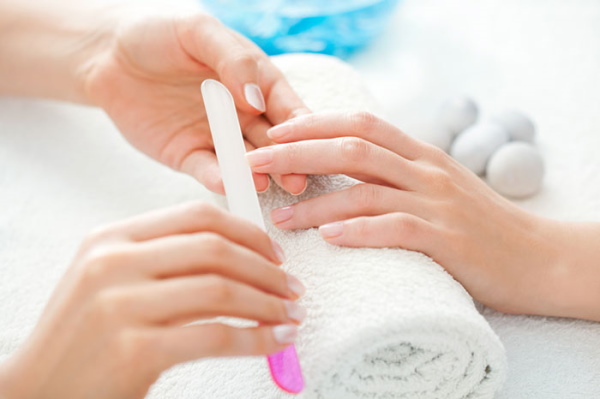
414, 196
144, 68
121, 314
148, 81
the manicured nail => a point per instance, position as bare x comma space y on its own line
295, 285
295, 311
332, 230
280, 131
260, 157
303, 189
278, 251
281, 215
254, 96
285, 334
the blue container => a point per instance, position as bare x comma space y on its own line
335, 27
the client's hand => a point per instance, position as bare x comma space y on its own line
121, 314
148, 81
415, 196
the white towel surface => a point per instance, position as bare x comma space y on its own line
382, 323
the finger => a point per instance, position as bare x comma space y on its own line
181, 300
194, 218
203, 166
390, 230
358, 200
283, 103
352, 156
178, 345
210, 43
208, 253
336, 124
255, 129
261, 181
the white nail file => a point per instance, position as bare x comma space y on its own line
243, 200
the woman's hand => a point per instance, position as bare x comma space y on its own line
145, 72
121, 314
148, 81
415, 196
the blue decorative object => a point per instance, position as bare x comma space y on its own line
336, 27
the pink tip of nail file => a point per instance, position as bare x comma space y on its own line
243, 201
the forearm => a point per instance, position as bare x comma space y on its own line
46, 46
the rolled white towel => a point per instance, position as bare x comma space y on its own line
382, 323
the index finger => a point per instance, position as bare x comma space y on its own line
327, 125
194, 218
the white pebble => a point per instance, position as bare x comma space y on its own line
457, 113
518, 125
475, 146
436, 135
516, 170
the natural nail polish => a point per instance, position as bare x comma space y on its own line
295, 311
260, 157
281, 215
332, 230
278, 252
295, 285
285, 334
254, 96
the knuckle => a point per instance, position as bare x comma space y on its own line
365, 196
405, 225
221, 338
440, 181
101, 263
218, 290
242, 60
214, 246
363, 122
108, 307
201, 210
354, 149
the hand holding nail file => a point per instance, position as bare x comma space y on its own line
243, 200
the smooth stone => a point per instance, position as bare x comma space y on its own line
474, 147
518, 125
516, 170
457, 114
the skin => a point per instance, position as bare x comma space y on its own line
119, 316
415, 196
145, 73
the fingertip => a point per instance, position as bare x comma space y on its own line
294, 184
261, 182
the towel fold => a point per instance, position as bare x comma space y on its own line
382, 323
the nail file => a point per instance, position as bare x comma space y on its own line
243, 201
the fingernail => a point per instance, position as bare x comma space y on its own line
280, 131
332, 230
295, 285
260, 157
303, 189
278, 251
295, 311
285, 334
254, 96
281, 215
